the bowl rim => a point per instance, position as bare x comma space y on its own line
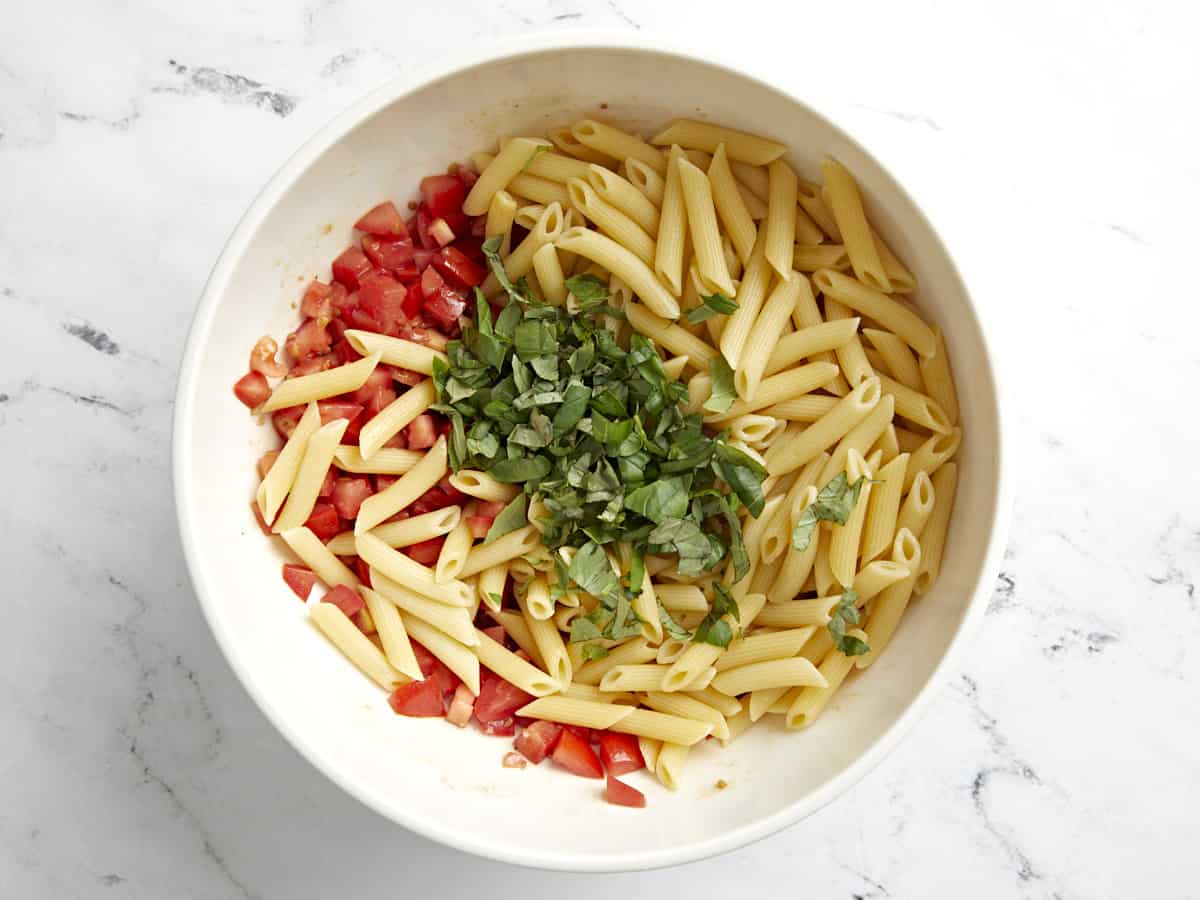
499, 50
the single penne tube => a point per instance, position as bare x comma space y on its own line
556, 167
405, 533
306, 545
900, 361
513, 157
751, 293
848, 412
859, 438
753, 178
669, 651
810, 258
535, 599
678, 704
812, 700
738, 725
731, 208
502, 211
274, 487
611, 221
390, 420
781, 217
876, 577
818, 646
675, 366
812, 201
762, 700
810, 340
483, 486
593, 693
410, 573
936, 378
513, 668
637, 677
514, 624
624, 196
822, 574
887, 444
573, 711
807, 315
458, 658
931, 454
527, 216
454, 550
781, 386
645, 604
650, 183
616, 143
571, 146
917, 407
797, 564
774, 673
725, 705
785, 701
755, 207
807, 408
782, 644
310, 475
321, 385
672, 228
681, 597
845, 203
632, 652
888, 606
388, 461
799, 613
851, 356
751, 427
546, 637
504, 548
355, 645
845, 540
545, 231
396, 646
454, 621
624, 264
675, 338
690, 664
489, 586
903, 281
917, 505
740, 145
395, 351
933, 539
883, 508
874, 304
550, 277
764, 335
703, 228
662, 727
649, 749
381, 506
808, 232
669, 764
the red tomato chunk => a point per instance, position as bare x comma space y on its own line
479, 526
513, 761
346, 599
443, 195
458, 269
317, 302
252, 389
498, 699
461, 706
324, 522
299, 579
426, 552
538, 740
620, 753
349, 494
351, 268
420, 433
621, 794
574, 755
418, 698
310, 339
383, 220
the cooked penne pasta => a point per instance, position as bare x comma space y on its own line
404, 570
672, 228
703, 228
546, 230
731, 208
355, 645
395, 351
651, 184
678, 704
662, 727
813, 203
740, 145
917, 505
306, 545
454, 551
387, 461
396, 646
765, 334
889, 605
636, 677
514, 625
883, 510
513, 157
502, 211
412, 484
674, 338
856, 367
751, 293
611, 221
936, 378
846, 205
279, 479
572, 146
574, 711
624, 196
454, 621
781, 217
513, 669
483, 486
773, 673
888, 312
901, 362
809, 340
624, 264
848, 412
310, 475
404, 533
507, 547
616, 143
762, 647
779, 387
390, 420
933, 539
458, 658
807, 408
321, 385
844, 540
810, 258
811, 701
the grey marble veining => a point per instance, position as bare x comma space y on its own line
1055, 144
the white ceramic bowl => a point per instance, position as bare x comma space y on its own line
445, 783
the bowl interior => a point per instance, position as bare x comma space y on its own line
446, 783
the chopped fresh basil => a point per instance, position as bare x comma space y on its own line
723, 393
834, 503
594, 651
717, 304
671, 628
588, 290
846, 613
511, 518
715, 628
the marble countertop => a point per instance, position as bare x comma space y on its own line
1057, 141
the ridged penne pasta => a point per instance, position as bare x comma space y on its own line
844, 540
321, 385
889, 605
888, 312
807, 408
672, 228
900, 361
651, 184
856, 367
318, 457
513, 157
751, 293
513, 668
848, 412
388, 461
457, 657
636, 677
611, 221
502, 211
390, 420
933, 539
507, 547
674, 338
572, 146
773, 673
396, 646
616, 143
632, 652
624, 264
624, 196
811, 701
454, 621
395, 351
355, 645
764, 335
703, 228
846, 206
546, 230
662, 727
779, 387
381, 506
404, 533
780, 226
811, 257
740, 145
883, 509
410, 573
731, 208
483, 486
306, 545
279, 479
917, 505
755, 648
678, 704
574, 711
810, 340
454, 551
938, 382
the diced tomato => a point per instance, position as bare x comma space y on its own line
252, 389
388, 254
346, 599
265, 462
383, 220
300, 579
457, 268
583, 733
351, 267
498, 699
479, 526
418, 698
396, 442
621, 794
489, 508
538, 740
620, 753
574, 755
445, 307
362, 570
338, 409
359, 318
262, 358
434, 669
343, 352
496, 633
312, 365
337, 330
424, 217
348, 495
432, 499
326, 490
513, 761
310, 339
422, 257
453, 494
324, 522
426, 552
382, 298
383, 482
420, 433
340, 297
258, 519
406, 376
317, 301
431, 282
286, 419
501, 728
412, 300
443, 194
461, 706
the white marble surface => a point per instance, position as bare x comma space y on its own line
1056, 142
